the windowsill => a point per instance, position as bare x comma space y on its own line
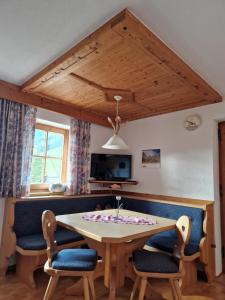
43, 196
34, 194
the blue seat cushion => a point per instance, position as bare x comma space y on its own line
154, 262
75, 260
37, 241
167, 240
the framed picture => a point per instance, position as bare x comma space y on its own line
151, 158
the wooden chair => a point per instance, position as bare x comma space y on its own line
67, 262
149, 264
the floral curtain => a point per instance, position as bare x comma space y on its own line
79, 157
28, 143
13, 133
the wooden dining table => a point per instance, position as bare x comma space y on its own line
114, 243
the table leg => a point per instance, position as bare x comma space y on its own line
112, 286
115, 262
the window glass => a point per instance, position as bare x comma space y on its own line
37, 170
52, 170
55, 144
39, 142
49, 161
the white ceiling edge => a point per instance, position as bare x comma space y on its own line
44, 115
34, 33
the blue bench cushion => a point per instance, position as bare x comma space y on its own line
37, 242
166, 241
75, 260
28, 212
154, 262
28, 218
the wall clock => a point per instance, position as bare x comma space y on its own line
192, 122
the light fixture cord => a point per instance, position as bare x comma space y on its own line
117, 108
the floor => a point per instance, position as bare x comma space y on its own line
13, 289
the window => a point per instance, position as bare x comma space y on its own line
49, 160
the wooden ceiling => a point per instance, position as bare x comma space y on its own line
124, 58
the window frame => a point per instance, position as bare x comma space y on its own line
43, 187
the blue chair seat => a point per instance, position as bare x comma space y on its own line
154, 262
37, 242
165, 242
75, 260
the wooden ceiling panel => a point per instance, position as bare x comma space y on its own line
117, 65
124, 58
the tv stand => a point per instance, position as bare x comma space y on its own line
114, 184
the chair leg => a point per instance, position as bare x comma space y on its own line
92, 288
51, 287
86, 289
142, 288
174, 292
178, 290
134, 288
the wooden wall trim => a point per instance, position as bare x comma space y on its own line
12, 92
63, 197
163, 198
141, 196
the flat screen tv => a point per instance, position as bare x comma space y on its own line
110, 166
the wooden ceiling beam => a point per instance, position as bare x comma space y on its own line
89, 82
12, 92
127, 95
98, 86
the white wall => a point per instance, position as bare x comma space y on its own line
53, 117
99, 135
186, 156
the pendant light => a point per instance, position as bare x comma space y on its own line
115, 142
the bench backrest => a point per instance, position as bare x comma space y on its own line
170, 211
28, 213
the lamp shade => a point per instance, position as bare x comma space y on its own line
115, 143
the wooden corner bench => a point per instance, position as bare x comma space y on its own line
201, 247
22, 231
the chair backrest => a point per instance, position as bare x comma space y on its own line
49, 227
183, 227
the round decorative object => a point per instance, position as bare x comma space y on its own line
192, 122
57, 188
